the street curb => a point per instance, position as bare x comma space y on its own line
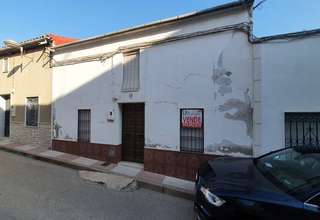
166, 190
46, 159
60, 162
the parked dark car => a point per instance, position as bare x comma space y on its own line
283, 184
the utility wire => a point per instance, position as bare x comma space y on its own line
259, 4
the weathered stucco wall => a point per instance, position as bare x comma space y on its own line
33, 80
290, 78
202, 73
213, 72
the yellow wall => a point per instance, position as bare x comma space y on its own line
34, 80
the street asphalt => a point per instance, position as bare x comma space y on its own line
31, 189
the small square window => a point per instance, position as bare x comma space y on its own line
32, 111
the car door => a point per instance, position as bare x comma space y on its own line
267, 205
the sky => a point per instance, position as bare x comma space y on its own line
22, 20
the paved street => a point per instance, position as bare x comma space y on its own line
31, 189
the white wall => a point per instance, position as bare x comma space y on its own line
289, 83
2, 115
201, 23
181, 76
213, 72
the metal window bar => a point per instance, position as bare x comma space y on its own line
302, 130
32, 111
191, 139
84, 125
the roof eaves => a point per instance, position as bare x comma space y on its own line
293, 35
27, 43
218, 8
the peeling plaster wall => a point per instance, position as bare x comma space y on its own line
289, 83
202, 73
212, 72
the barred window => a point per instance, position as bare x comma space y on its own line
191, 130
302, 130
131, 78
84, 125
32, 111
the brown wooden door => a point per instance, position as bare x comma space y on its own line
133, 132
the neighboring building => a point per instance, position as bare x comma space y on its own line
170, 94
25, 89
287, 103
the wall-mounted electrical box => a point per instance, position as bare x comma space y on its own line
110, 116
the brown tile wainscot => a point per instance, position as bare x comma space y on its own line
103, 152
173, 163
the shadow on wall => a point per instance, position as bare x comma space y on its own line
105, 83
18, 114
36, 132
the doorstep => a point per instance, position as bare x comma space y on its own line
154, 181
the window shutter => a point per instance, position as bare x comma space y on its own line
5, 65
131, 69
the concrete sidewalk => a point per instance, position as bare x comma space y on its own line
154, 181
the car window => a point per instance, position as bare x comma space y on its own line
315, 201
291, 169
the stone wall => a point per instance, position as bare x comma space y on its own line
37, 136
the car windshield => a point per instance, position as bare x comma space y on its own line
291, 169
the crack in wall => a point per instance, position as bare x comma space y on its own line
185, 79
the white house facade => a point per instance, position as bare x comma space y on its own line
286, 99
175, 93
170, 94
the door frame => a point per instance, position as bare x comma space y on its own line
122, 129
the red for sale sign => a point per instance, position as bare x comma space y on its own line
191, 118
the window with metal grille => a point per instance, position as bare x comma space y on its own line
84, 125
5, 65
131, 69
302, 130
191, 130
32, 111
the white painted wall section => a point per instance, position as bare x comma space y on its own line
213, 72
289, 83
